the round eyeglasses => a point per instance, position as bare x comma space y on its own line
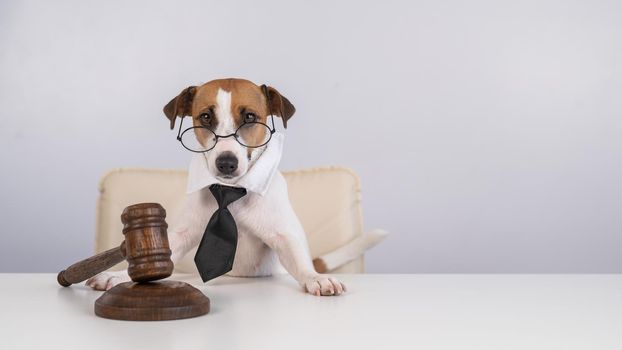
251, 135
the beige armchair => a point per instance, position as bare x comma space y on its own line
326, 200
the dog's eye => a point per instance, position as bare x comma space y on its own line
249, 117
205, 118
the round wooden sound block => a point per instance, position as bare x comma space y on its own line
152, 301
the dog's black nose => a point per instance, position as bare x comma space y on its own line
227, 163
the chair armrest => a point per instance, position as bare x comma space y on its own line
349, 251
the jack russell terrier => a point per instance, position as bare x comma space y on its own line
269, 231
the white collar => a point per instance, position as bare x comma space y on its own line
257, 179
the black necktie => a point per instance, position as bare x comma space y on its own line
217, 248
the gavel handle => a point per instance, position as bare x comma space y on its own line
90, 267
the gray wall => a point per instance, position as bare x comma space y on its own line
487, 134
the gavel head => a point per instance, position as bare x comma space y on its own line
146, 243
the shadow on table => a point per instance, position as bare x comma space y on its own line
78, 297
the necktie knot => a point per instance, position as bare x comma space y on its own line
226, 195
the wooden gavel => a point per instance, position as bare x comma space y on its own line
145, 248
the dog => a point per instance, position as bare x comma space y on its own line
269, 232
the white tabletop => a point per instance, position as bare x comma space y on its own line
379, 312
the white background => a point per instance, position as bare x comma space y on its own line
487, 134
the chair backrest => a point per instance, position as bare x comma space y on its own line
326, 200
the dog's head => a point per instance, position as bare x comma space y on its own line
223, 106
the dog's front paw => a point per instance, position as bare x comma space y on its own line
323, 285
107, 280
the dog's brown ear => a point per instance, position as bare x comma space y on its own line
280, 105
181, 105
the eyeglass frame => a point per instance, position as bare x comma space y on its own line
234, 134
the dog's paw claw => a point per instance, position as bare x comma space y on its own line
322, 285
107, 280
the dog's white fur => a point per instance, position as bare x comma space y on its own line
268, 229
